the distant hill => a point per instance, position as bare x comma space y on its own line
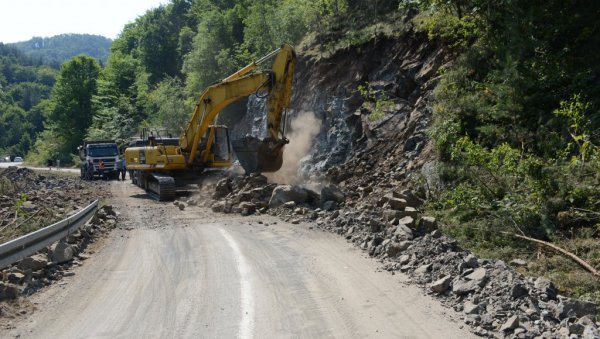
59, 48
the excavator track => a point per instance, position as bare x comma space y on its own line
162, 187
159, 186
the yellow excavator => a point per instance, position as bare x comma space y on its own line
161, 166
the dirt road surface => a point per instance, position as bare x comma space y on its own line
195, 274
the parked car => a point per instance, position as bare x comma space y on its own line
18, 159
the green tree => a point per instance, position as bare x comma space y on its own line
72, 109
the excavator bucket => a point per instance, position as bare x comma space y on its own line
256, 155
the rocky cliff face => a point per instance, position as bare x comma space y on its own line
349, 143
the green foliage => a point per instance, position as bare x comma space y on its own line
456, 32
170, 111
375, 101
48, 146
23, 85
6, 187
515, 117
71, 106
19, 204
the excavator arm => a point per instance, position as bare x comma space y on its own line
255, 155
212, 101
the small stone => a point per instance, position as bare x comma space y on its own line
478, 274
462, 287
518, 290
8, 291
518, 262
427, 224
576, 329
404, 259
471, 261
408, 221
397, 204
441, 285
470, 308
510, 324
409, 212
423, 269
544, 285
15, 277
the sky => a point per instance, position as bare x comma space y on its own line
20, 20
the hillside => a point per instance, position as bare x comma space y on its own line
24, 85
60, 48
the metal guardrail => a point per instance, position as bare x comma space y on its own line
17, 249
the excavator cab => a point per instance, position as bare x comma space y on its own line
215, 149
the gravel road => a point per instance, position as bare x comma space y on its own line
195, 274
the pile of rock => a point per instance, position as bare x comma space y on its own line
495, 300
24, 193
254, 194
53, 263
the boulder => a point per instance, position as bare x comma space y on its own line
8, 291
397, 204
568, 307
222, 189
284, 193
479, 275
218, 206
389, 215
375, 225
333, 193
34, 262
518, 290
15, 277
62, 252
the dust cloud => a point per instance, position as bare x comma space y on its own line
304, 128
